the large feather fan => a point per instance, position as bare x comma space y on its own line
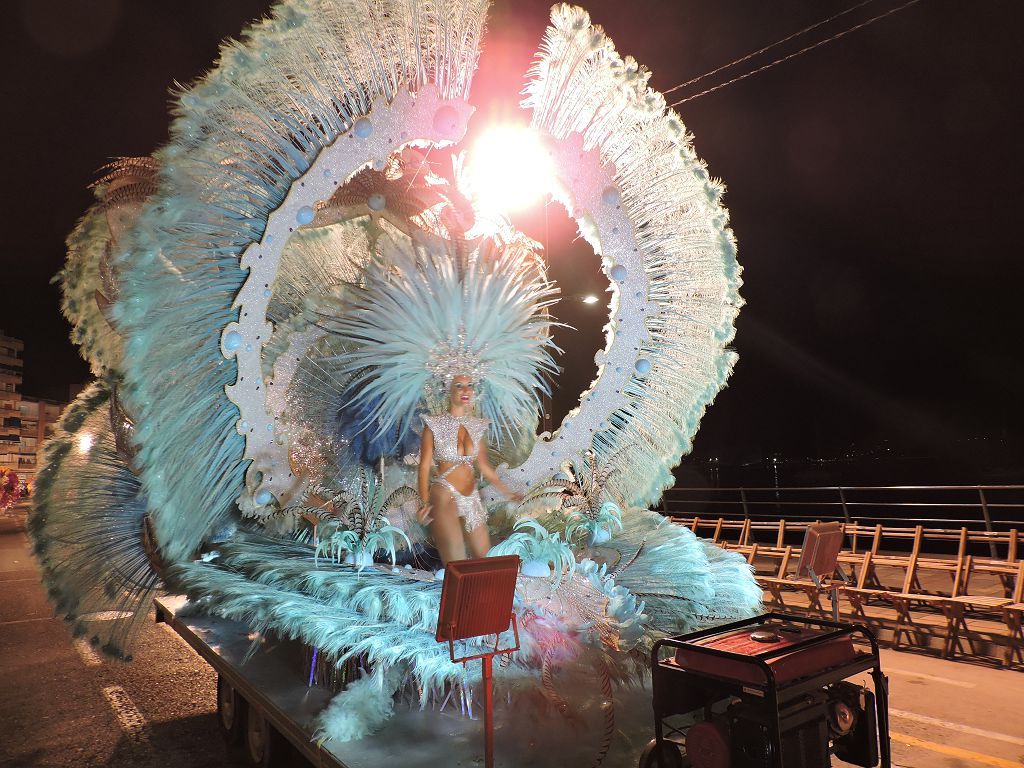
416, 300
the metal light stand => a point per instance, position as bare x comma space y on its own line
476, 601
486, 660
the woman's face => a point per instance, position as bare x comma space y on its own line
461, 391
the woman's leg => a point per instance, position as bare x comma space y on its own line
446, 527
479, 541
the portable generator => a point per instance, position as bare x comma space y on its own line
768, 692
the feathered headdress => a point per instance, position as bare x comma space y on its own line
423, 316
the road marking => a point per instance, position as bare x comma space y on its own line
933, 678
128, 715
942, 749
85, 650
956, 727
106, 615
26, 621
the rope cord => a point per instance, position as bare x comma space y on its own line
767, 48
793, 55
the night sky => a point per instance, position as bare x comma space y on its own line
874, 186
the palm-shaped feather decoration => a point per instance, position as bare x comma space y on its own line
537, 547
359, 526
583, 495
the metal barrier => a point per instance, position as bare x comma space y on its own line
979, 507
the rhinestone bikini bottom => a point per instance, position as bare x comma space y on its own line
470, 507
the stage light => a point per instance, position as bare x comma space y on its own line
508, 168
590, 299
85, 441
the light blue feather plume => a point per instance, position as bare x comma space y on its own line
415, 301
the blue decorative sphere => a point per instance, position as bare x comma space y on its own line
305, 214
536, 569
363, 128
611, 196
232, 341
618, 273
376, 202
264, 497
643, 365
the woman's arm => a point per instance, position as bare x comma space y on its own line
423, 486
488, 473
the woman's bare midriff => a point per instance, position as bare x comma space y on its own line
462, 477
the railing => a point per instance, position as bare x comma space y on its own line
979, 507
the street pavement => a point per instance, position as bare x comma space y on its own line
63, 705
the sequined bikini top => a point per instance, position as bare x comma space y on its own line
446, 437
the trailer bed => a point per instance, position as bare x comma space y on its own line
413, 738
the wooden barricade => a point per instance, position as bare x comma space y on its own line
1013, 615
880, 572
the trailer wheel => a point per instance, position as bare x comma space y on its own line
264, 746
670, 755
230, 712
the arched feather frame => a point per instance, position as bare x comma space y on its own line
243, 142
644, 201
420, 118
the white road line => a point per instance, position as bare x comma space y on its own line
128, 715
88, 654
26, 621
106, 615
914, 717
933, 678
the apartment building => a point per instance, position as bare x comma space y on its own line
11, 365
25, 422
38, 421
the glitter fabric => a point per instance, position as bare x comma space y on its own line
445, 429
446, 437
451, 359
469, 506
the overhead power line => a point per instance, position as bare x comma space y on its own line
782, 59
767, 48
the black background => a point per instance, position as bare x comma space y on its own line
874, 186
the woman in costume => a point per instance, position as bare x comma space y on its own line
454, 440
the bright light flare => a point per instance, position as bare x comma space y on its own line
508, 169
85, 441
590, 299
